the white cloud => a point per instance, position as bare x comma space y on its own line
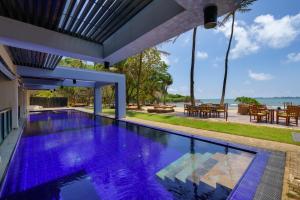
165, 59
244, 43
264, 31
169, 61
186, 40
183, 90
201, 55
293, 57
259, 76
276, 33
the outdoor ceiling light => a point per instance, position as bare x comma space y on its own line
74, 81
210, 16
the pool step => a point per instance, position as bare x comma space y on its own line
174, 167
210, 169
183, 167
194, 162
228, 170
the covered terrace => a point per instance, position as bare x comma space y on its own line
35, 35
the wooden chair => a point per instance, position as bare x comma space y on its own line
185, 108
189, 109
213, 108
292, 112
259, 112
204, 110
194, 110
252, 111
222, 108
298, 112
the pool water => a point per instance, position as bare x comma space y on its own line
71, 155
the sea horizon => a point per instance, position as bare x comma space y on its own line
273, 102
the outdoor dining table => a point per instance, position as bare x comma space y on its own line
271, 114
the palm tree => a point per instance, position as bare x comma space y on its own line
192, 67
138, 81
242, 7
167, 81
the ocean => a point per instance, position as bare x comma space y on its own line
270, 102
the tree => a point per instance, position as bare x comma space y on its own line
167, 81
139, 81
147, 79
192, 67
145, 76
242, 7
247, 100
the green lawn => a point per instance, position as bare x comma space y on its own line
260, 132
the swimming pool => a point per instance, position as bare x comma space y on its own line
70, 155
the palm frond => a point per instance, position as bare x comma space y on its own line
225, 19
245, 4
243, 10
163, 52
175, 38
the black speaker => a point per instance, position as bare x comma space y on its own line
210, 16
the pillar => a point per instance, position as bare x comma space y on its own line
97, 100
15, 104
120, 99
27, 102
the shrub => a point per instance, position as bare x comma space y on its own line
247, 100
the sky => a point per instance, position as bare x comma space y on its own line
264, 58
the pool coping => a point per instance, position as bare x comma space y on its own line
246, 187
20, 130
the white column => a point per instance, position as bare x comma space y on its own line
120, 100
15, 97
97, 100
27, 100
24, 103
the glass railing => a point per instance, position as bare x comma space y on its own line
5, 123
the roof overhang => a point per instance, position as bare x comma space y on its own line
100, 31
5, 70
64, 76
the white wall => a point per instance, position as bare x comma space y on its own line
9, 89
